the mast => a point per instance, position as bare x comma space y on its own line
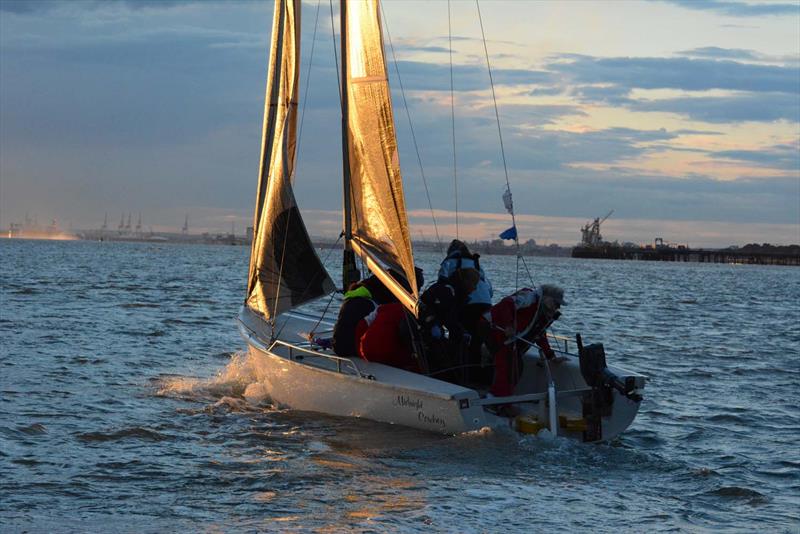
350, 272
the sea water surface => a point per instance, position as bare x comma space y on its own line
122, 408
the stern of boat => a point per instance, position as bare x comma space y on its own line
590, 402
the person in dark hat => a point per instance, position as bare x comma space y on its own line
440, 311
473, 300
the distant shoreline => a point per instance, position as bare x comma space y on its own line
753, 254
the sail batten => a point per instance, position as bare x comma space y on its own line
285, 270
379, 224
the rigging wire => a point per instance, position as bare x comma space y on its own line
411, 127
452, 113
308, 77
494, 99
502, 148
335, 55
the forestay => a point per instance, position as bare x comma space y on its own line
378, 214
285, 270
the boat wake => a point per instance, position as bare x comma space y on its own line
236, 386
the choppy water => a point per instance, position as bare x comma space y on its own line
122, 408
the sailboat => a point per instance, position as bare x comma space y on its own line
580, 398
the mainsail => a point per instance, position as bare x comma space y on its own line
285, 270
377, 207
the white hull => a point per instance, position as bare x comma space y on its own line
301, 378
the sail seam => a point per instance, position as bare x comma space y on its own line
367, 79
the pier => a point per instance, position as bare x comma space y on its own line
748, 255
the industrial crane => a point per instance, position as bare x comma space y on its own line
590, 233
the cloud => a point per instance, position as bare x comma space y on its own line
697, 132
763, 93
538, 114
614, 95
727, 109
31, 7
141, 107
423, 76
421, 48
26, 7
583, 194
468, 39
776, 157
527, 144
740, 9
143, 94
716, 52
587, 193
546, 91
676, 73
547, 149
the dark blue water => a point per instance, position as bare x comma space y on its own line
122, 408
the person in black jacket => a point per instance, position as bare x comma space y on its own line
441, 322
361, 299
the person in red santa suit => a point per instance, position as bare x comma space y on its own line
513, 324
385, 336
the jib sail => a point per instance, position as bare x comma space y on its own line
285, 270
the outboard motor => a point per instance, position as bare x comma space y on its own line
597, 374
597, 403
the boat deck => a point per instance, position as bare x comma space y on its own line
294, 345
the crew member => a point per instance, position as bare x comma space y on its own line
439, 313
479, 299
361, 299
513, 324
386, 336
475, 303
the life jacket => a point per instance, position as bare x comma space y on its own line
384, 338
357, 304
483, 292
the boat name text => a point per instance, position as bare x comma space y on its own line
431, 419
404, 401
407, 402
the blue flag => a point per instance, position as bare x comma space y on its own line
511, 233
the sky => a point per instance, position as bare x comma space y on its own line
682, 116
